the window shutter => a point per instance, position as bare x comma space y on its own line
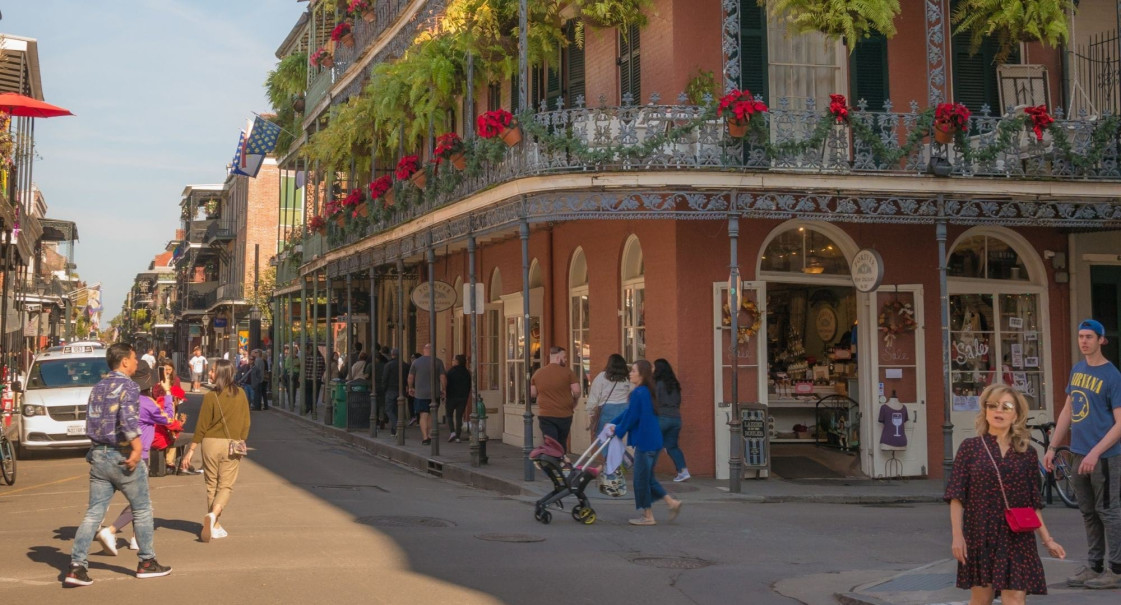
515, 98
574, 69
974, 75
868, 69
754, 74
630, 67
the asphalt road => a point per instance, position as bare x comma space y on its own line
313, 520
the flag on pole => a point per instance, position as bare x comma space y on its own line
239, 155
260, 142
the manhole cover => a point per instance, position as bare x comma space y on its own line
516, 538
390, 521
672, 562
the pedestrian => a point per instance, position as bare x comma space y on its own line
1092, 414
151, 417
198, 366
149, 358
285, 365
379, 386
639, 422
224, 417
413, 416
556, 390
360, 369
243, 376
607, 398
314, 366
294, 375
258, 376
992, 558
391, 377
420, 387
459, 390
113, 428
667, 392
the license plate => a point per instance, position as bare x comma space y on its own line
76, 429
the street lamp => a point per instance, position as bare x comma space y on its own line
205, 323
254, 327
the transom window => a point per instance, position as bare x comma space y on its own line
804, 250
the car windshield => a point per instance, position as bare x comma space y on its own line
62, 373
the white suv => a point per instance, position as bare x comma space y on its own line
56, 393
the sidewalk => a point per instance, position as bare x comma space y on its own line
505, 471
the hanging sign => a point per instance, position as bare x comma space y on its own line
445, 296
473, 305
867, 270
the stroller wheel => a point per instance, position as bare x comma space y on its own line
546, 517
581, 512
589, 518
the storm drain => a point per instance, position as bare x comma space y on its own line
671, 562
404, 521
916, 582
514, 538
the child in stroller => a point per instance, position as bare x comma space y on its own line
549, 457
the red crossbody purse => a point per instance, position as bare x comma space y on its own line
1022, 519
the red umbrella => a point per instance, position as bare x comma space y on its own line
26, 107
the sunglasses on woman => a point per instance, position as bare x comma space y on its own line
1007, 406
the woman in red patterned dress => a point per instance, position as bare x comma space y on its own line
992, 559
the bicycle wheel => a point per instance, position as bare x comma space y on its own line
7, 460
1064, 476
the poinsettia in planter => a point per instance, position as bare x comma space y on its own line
317, 224
450, 147
342, 34
1040, 120
740, 105
322, 58
839, 108
362, 8
950, 119
408, 167
499, 123
380, 186
353, 203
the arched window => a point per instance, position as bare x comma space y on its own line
804, 250
997, 317
580, 350
634, 301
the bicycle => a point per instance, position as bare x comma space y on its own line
7, 458
1061, 480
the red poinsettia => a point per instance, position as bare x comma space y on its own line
742, 105
317, 224
954, 116
332, 207
358, 6
380, 186
492, 123
1040, 119
319, 56
839, 107
406, 167
447, 145
353, 199
342, 29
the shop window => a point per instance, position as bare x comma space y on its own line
490, 345
996, 337
580, 350
986, 257
634, 301
804, 250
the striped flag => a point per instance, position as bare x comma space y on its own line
236, 167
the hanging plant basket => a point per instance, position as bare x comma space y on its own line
299, 104
512, 134
459, 161
419, 178
737, 129
944, 133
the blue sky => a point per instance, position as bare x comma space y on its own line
160, 89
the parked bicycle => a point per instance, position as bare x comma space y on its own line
7, 458
1061, 480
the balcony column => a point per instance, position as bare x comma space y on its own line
523, 102
944, 309
434, 404
731, 43
402, 413
7, 272
478, 409
375, 379
735, 453
314, 407
349, 338
329, 340
527, 447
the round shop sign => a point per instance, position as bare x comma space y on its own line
867, 270
445, 296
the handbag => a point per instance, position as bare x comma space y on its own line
238, 448
1022, 519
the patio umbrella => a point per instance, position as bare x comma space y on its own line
26, 107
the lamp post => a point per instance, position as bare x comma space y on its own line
254, 327
205, 322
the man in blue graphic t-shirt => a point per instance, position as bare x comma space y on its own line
1093, 415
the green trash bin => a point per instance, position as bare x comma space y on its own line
338, 387
357, 404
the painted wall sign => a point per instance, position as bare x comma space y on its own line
445, 296
867, 270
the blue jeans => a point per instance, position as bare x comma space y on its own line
607, 413
248, 391
107, 476
646, 487
671, 428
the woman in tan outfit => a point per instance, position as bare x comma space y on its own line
224, 416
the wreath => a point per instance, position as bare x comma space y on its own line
896, 317
755, 319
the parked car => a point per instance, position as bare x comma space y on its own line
55, 394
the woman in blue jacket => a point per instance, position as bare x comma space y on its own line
640, 424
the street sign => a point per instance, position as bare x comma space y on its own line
445, 296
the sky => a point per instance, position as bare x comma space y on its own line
160, 90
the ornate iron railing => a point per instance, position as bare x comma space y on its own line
365, 32
320, 84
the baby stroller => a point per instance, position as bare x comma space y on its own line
549, 457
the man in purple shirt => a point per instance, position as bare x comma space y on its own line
113, 426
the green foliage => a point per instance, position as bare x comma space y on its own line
702, 83
287, 81
1013, 21
615, 13
850, 20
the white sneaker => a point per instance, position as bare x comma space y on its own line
452, 438
682, 476
207, 527
219, 532
108, 540
132, 544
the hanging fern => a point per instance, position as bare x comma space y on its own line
287, 80
615, 13
1013, 21
850, 20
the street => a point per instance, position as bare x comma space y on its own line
313, 519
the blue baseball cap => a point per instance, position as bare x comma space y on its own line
1092, 325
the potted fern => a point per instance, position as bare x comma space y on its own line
849, 20
1013, 21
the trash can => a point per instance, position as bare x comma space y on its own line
358, 404
338, 402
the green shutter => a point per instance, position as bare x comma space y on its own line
754, 73
630, 66
868, 71
574, 69
974, 75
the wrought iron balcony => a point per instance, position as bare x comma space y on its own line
365, 32
319, 87
197, 232
230, 293
218, 231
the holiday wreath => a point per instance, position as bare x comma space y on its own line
896, 317
754, 318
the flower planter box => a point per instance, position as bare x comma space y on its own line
347, 40
512, 134
340, 220
944, 133
419, 178
327, 62
390, 199
363, 210
459, 161
737, 129
369, 16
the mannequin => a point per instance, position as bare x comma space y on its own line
893, 416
